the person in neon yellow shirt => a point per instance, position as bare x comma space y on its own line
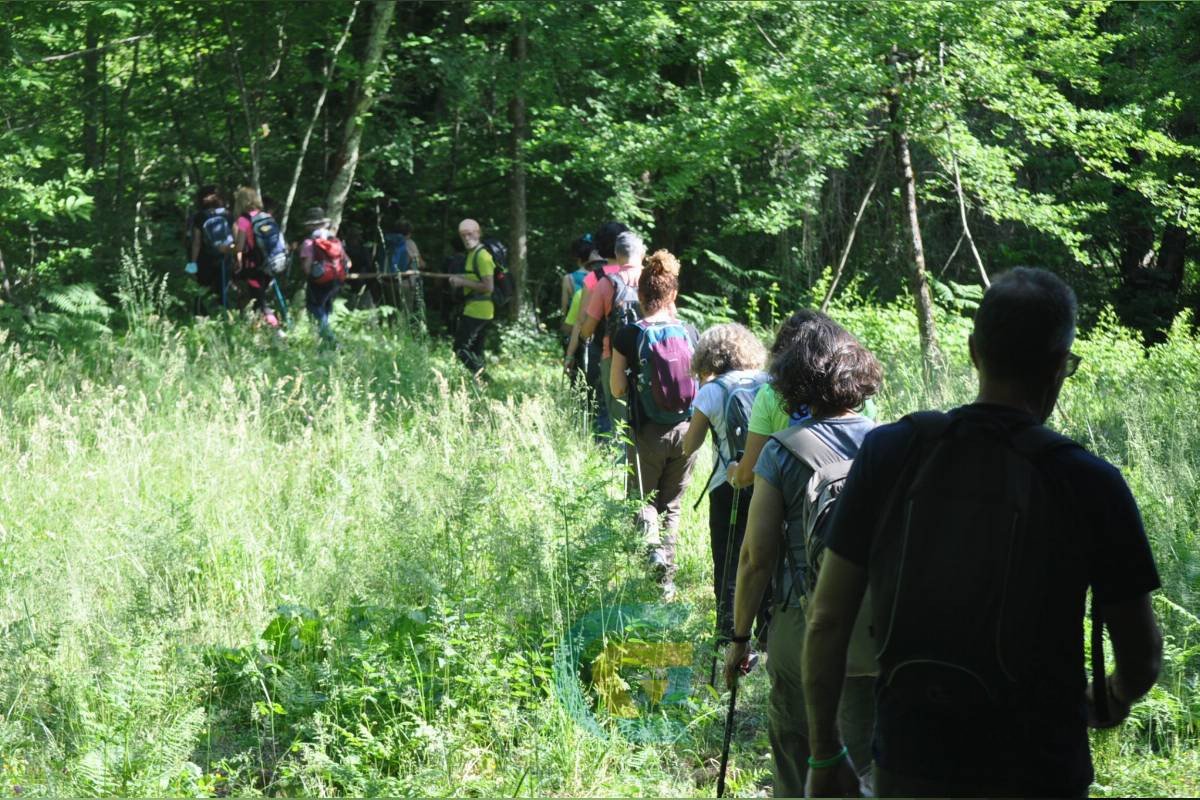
476, 284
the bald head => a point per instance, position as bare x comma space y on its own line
470, 233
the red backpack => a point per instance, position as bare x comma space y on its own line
329, 261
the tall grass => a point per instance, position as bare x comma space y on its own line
229, 564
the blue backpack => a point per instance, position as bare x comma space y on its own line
395, 253
270, 249
665, 384
216, 232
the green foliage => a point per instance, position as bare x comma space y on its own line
232, 567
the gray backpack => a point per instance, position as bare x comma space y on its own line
821, 492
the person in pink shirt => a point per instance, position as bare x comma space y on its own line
246, 206
612, 304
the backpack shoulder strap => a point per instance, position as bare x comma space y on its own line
806, 447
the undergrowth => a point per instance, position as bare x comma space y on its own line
232, 564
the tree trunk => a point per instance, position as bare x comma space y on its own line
932, 361
90, 88
516, 178
1172, 255
126, 124
248, 111
316, 115
364, 96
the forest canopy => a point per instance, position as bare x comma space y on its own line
752, 138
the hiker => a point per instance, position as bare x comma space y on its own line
651, 361
249, 268
613, 303
978, 533
476, 284
728, 362
210, 242
828, 372
325, 264
601, 261
401, 256
571, 299
361, 293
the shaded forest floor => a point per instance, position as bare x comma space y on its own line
236, 565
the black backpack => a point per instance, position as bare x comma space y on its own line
956, 569
626, 308
821, 492
502, 280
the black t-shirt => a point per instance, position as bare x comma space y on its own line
625, 342
1041, 747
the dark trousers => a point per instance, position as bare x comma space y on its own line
726, 543
469, 338
318, 299
590, 352
211, 275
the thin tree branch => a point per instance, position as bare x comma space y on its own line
100, 49
774, 47
953, 253
862, 207
291, 195
958, 190
246, 110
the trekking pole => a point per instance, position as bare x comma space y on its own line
282, 303
728, 738
731, 539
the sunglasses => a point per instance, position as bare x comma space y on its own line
1072, 363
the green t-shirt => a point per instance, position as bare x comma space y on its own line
768, 416
479, 266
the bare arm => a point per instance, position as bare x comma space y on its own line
696, 433
757, 560
239, 241
741, 473
568, 291
588, 326
1137, 649
835, 603
619, 383
484, 286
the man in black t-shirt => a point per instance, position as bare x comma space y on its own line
1017, 724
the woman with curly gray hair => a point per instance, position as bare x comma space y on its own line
728, 361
